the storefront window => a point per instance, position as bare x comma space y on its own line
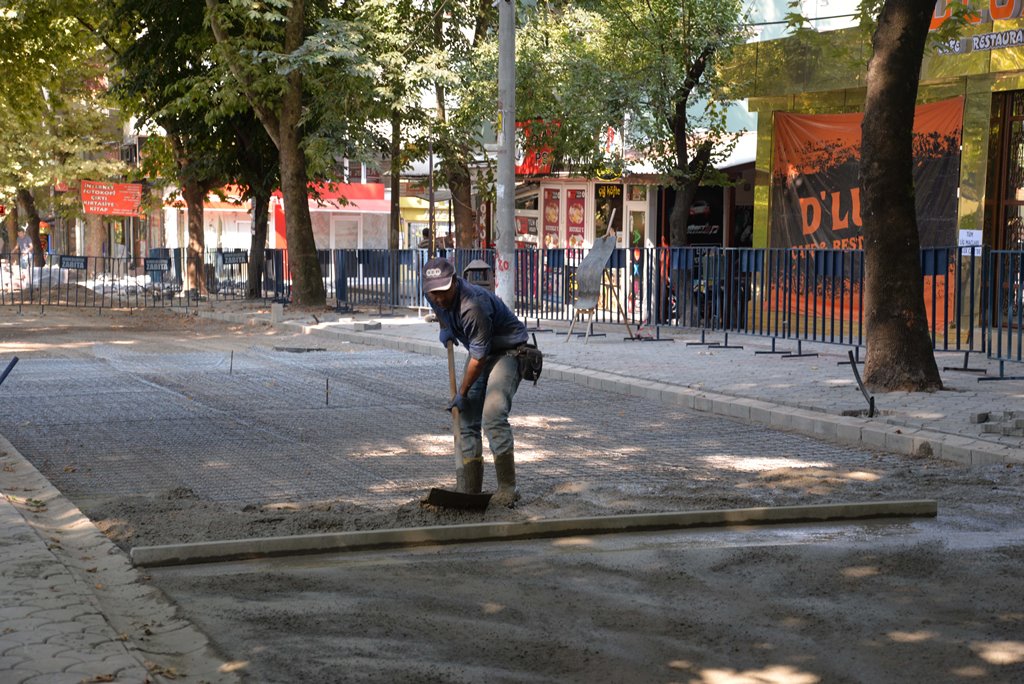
637, 193
1007, 187
527, 202
575, 217
1018, 103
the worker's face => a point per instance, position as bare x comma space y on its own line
443, 298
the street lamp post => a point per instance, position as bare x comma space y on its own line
504, 261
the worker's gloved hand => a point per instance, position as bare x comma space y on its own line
458, 402
445, 335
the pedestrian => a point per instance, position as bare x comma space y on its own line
474, 317
24, 249
425, 240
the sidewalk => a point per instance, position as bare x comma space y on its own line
73, 610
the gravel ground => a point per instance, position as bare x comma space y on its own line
936, 600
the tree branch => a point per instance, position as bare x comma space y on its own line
266, 115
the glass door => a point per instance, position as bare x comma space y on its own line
1008, 172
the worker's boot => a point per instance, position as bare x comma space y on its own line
505, 467
473, 475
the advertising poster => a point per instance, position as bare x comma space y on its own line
550, 213
532, 154
815, 184
575, 217
608, 210
111, 199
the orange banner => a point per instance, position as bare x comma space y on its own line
816, 177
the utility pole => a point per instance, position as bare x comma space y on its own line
504, 229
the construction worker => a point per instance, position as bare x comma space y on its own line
474, 317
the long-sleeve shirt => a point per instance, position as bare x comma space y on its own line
481, 322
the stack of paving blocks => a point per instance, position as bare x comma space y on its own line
1008, 423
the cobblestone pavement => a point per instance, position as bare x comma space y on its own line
366, 424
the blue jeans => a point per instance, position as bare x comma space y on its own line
487, 406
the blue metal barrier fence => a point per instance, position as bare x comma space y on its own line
973, 297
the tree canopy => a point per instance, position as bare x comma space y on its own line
54, 116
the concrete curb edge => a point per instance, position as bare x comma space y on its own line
266, 547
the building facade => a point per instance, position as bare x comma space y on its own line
976, 145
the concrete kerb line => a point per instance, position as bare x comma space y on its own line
850, 430
268, 547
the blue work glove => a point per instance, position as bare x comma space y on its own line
458, 402
445, 335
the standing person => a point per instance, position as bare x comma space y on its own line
474, 317
425, 240
24, 251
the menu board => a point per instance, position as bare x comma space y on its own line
608, 210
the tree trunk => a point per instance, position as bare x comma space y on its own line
680, 216
461, 187
194, 195
257, 247
396, 181
95, 236
307, 281
303, 263
29, 213
899, 348
692, 172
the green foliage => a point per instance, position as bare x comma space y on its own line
586, 66
563, 65
54, 118
670, 52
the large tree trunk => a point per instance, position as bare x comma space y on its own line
679, 218
257, 248
95, 236
194, 195
899, 348
11, 230
307, 281
29, 213
461, 187
693, 171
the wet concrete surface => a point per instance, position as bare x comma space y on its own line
884, 601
